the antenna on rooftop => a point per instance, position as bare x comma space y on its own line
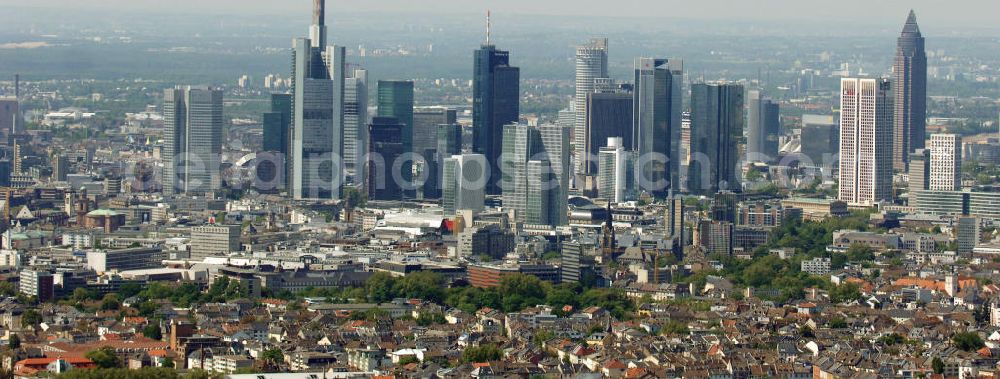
489, 25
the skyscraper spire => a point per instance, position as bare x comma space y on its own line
910, 84
317, 31
911, 24
489, 26
319, 12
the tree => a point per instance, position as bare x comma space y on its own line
81, 294
14, 342
111, 302
674, 328
273, 357
612, 300
891, 339
560, 297
858, 252
426, 285
7, 289
381, 287
483, 353
353, 199
938, 365
430, 318
152, 331
838, 323
408, 359
846, 292
128, 290
968, 341
104, 357
31, 318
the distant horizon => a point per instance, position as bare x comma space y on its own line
972, 15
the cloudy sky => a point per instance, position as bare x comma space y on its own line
938, 13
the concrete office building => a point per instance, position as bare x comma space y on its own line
967, 234
616, 172
425, 125
673, 222
60, 167
763, 128
10, 116
591, 65
126, 259
865, 141
985, 205
945, 162
214, 240
920, 170
491, 240
355, 125
425, 143
575, 261
716, 237
37, 282
464, 183
192, 137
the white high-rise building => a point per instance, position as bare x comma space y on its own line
591, 64
614, 170
865, 141
946, 162
464, 183
355, 124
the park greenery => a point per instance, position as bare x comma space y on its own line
810, 240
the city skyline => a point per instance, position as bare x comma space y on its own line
389, 195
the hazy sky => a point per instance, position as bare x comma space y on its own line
937, 13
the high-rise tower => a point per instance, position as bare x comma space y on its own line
910, 79
536, 173
865, 141
356, 124
656, 120
317, 136
496, 92
945, 162
716, 127
591, 64
192, 123
763, 127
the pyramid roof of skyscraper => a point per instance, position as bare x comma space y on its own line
911, 24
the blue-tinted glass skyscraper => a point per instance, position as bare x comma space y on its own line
495, 103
